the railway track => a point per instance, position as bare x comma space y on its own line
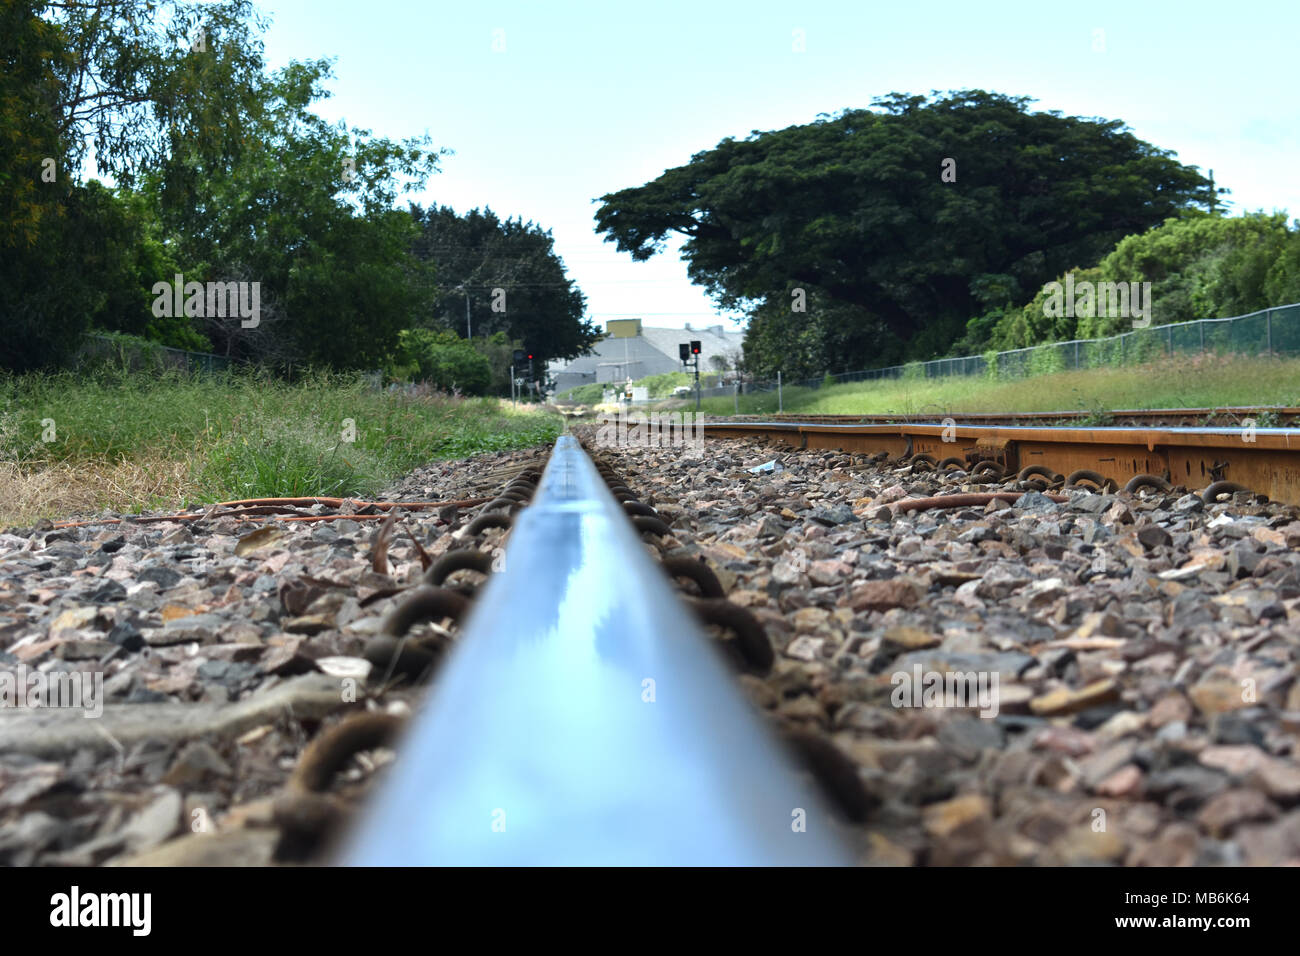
547, 694
1265, 461
574, 542
1227, 417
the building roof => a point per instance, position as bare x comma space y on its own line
713, 341
655, 351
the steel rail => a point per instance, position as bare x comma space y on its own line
1265, 460
582, 718
1130, 417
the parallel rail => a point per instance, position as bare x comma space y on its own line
583, 718
1236, 415
1265, 460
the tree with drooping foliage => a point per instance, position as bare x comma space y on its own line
223, 173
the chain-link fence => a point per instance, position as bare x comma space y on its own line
1274, 331
139, 355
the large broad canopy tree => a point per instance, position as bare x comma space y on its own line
507, 274
855, 211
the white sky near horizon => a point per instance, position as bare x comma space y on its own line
587, 98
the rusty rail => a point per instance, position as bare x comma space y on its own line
1264, 460
1232, 415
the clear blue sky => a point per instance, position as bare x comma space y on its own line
589, 97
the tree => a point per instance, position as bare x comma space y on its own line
224, 174
443, 360
828, 335
147, 81
855, 207
34, 160
1199, 266
1282, 285
512, 278
72, 255
306, 211
499, 351
42, 323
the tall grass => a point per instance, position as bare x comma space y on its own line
239, 435
1192, 382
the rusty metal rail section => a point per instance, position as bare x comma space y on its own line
583, 718
1264, 460
1227, 416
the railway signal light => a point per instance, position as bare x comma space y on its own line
690, 355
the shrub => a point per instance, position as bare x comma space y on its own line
991, 364
444, 360
1046, 359
585, 394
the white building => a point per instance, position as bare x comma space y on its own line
633, 351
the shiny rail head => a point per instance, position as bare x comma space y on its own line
583, 719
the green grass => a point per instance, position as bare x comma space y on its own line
244, 435
585, 394
660, 386
1199, 382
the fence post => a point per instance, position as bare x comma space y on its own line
1201, 326
1268, 329
780, 402
1171, 341
1076, 355
735, 395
